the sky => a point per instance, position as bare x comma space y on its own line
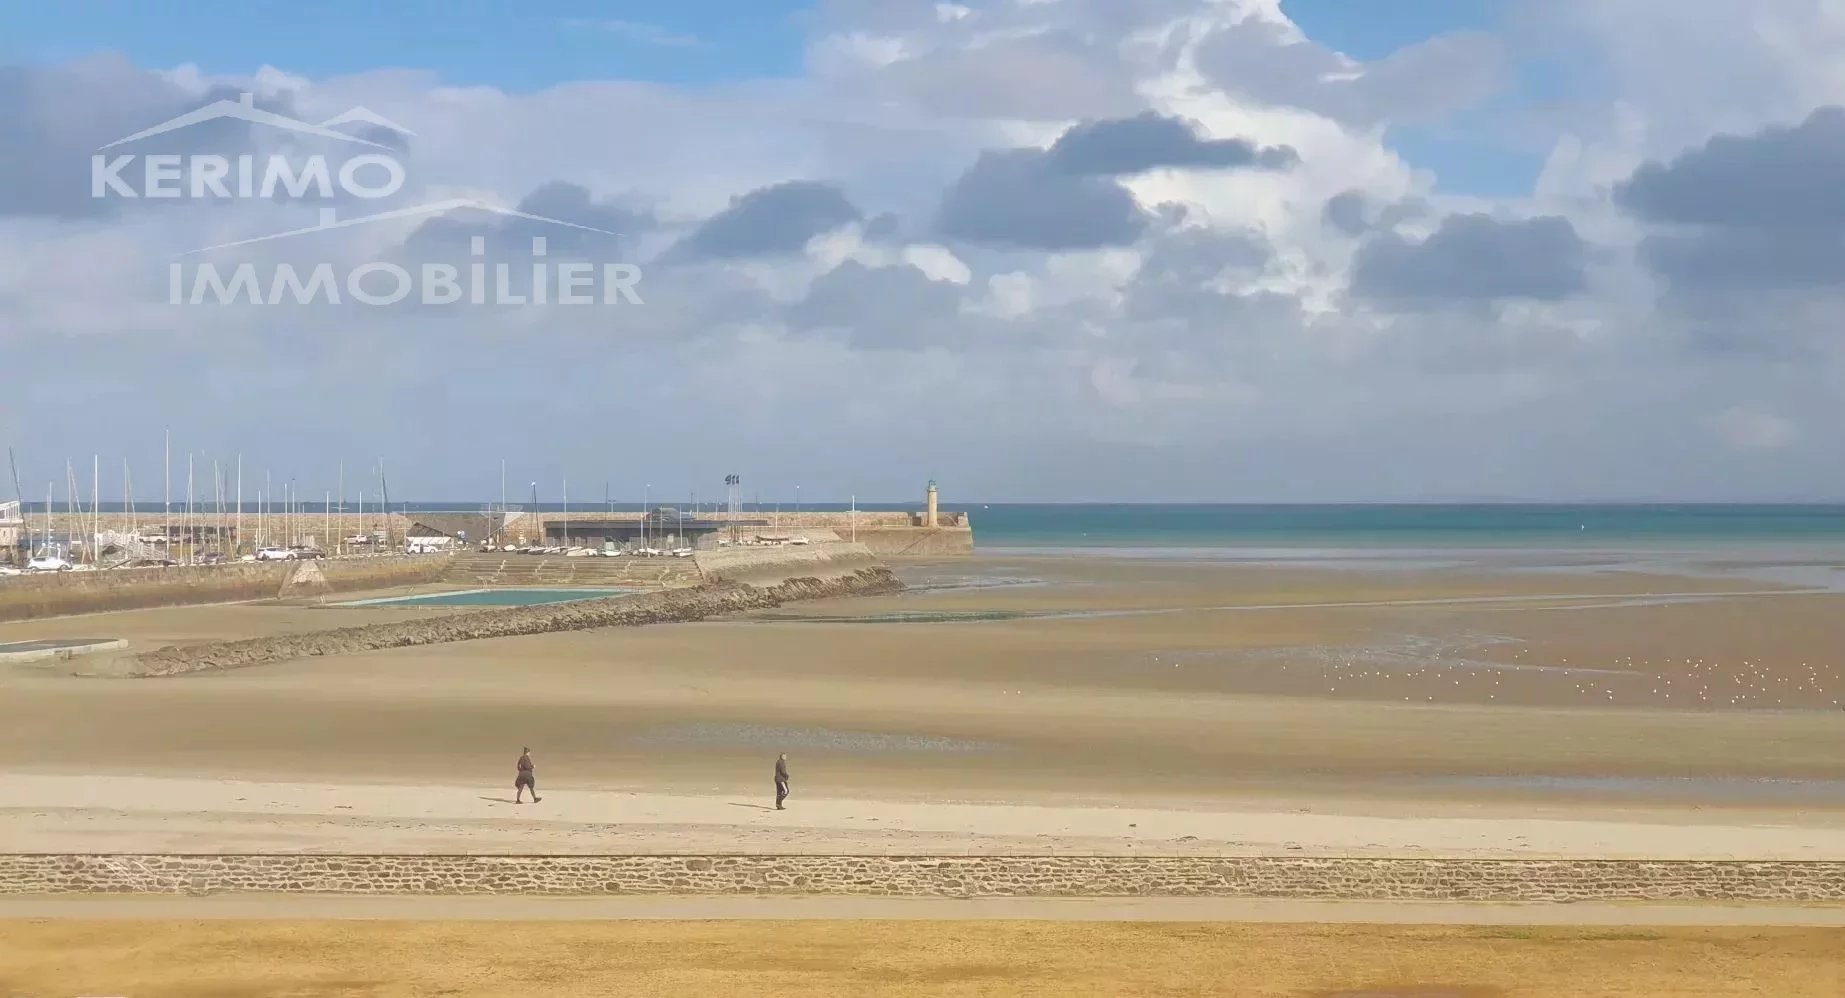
1238, 250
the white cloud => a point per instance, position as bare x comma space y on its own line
1747, 428
1220, 353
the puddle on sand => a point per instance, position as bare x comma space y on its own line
900, 617
1401, 653
1689, 789
956, 583
713, 734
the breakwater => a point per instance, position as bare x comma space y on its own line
666, 606
53, 594
1306, 878
826, 561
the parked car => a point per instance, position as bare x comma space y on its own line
305, 553
48, 563
274, 554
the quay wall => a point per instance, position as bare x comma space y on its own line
1469, 880
887, 533
917, 542
826, 561
52, 594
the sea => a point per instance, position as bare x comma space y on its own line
1331, 526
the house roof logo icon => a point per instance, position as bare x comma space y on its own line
244, 109
330, 221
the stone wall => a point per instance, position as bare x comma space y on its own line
1478, 880
918, 542
52, 594
754, 566
888, 533
666, 606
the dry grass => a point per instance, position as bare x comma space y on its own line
393, 959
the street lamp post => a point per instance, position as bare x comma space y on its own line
538, 521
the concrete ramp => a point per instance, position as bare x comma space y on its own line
306, 580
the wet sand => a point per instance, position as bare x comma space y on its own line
1095, 683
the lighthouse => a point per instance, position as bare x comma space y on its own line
929, 507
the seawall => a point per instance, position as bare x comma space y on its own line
826, 561
887, 533
918, 542
52, 594
1476, 880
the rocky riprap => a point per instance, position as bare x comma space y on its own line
669, 606
1332, 878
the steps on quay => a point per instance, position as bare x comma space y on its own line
497, 570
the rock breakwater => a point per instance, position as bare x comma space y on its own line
1475, 880
670, 606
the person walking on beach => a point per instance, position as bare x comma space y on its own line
525, 780
781, 781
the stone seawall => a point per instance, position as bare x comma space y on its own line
1475, 880
917, 542
695, 603
53, 594
826, 561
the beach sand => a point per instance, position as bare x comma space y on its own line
486, 959
1231, 707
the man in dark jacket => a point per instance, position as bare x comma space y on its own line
525, 780
781, 781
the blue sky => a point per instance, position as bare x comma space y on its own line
1481, 152
504, 44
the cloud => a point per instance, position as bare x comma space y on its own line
1266, 61
780, 218
1015, 198
1048, 224
863, 301
1780, 178
1746, 428
1348, 212
1066, 197
1475, 257
1764, 210
1041, 76
560, 200
1152, 141
61, 116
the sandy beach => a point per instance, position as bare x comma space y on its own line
146, 814
1007, 703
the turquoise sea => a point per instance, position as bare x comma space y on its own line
1484, 525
